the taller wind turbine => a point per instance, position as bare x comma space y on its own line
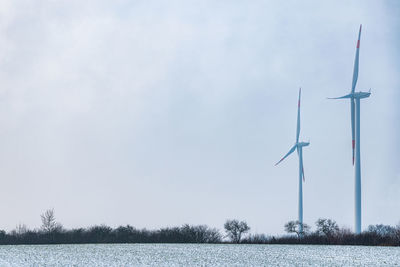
299, 147
355, 134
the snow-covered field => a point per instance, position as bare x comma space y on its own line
197, 255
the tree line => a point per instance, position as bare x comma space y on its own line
327, 232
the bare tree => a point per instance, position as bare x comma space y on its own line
200, 233
397, 233
382, 230
294, 227
20, 229
235, 229
49, 224
327, 227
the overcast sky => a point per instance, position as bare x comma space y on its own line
160, 113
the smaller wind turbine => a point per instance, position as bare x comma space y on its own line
299, 147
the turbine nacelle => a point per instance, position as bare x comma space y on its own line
354, 95
360, 95
301, 144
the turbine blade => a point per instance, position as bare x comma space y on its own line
341, 97
298, 118
287, 154
355, 71
302, 167
352, 126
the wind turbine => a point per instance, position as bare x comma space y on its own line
355, 134
299, 147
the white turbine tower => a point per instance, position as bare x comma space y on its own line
299, 147
355, 133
